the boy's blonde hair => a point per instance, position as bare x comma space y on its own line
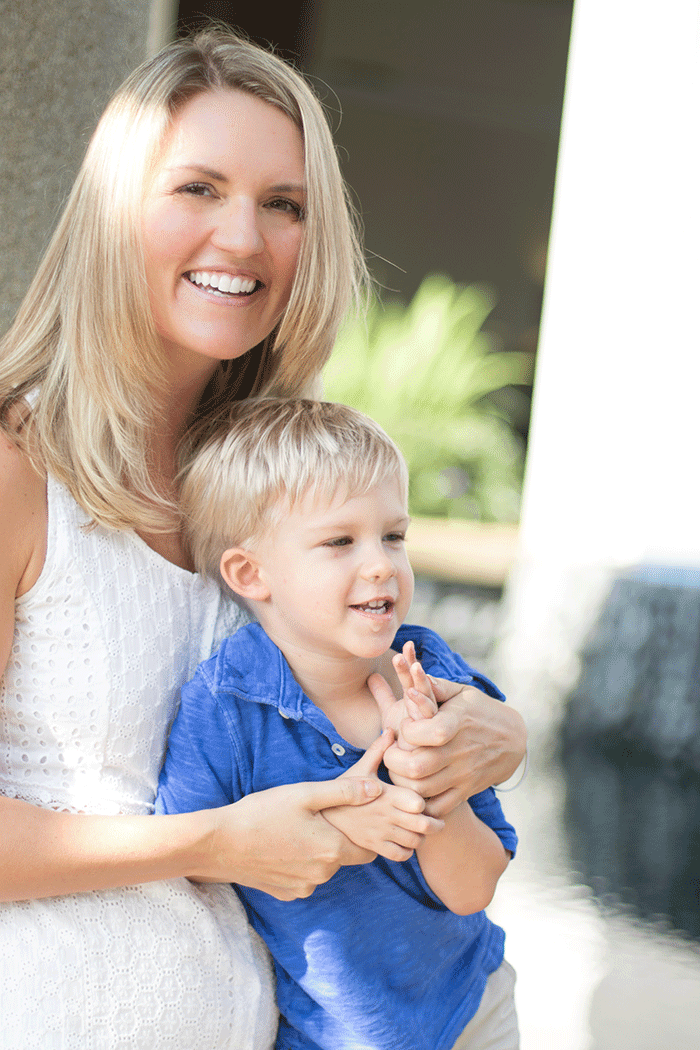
265, 456
84, 342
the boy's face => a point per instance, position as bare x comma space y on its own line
338, 575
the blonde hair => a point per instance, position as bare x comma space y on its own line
267, 455
84, 342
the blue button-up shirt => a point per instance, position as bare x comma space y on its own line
372, 960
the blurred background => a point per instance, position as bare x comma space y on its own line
556, 538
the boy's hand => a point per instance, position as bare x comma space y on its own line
418, 701
391, 825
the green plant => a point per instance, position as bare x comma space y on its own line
425, 372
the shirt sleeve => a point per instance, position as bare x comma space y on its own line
445, 663
200, 769
488, 809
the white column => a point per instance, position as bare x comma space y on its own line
613, 466
613, 463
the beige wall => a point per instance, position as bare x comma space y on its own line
449, 131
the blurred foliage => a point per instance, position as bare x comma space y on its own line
425, 372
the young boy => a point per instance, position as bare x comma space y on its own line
301, 508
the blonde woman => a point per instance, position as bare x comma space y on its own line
206, 254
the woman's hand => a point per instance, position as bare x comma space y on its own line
472, 742
279, 840
393, 824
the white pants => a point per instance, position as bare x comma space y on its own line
494, 1026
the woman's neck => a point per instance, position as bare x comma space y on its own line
176, 410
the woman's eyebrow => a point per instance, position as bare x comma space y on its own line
202, 169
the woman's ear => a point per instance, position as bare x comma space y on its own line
241, 571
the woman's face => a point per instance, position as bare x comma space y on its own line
222, 226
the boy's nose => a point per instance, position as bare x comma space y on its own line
379, 567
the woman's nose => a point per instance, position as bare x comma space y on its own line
237, 230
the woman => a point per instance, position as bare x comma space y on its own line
206, 253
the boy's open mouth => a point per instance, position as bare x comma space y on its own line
376, 607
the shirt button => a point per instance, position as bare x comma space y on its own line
337, 749
286, 717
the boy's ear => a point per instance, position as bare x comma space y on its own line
241, 572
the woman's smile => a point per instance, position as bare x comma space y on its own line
223, 283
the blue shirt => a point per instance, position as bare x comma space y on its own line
373, 960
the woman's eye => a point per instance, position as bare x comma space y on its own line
293, 208
196, 189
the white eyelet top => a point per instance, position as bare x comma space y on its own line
102, 644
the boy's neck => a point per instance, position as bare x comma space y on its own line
338, 687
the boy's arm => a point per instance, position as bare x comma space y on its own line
463, 863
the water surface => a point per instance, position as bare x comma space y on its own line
601, 906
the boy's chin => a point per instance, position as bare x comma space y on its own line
373, 650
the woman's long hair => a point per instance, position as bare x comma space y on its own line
84, 349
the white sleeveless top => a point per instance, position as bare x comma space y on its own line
102, 643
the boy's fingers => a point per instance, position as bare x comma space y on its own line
403, 671
419, 705
370, 762
421, 680
380, 690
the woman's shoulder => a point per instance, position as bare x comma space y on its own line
23, 522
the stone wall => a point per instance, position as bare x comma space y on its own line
640, 670
59, 63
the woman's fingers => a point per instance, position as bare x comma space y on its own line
443, 804
426, 770
279, 838
357, 786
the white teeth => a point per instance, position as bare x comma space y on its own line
223, 282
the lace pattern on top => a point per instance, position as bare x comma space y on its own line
102, 643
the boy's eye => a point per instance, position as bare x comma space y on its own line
395, 537
340, 541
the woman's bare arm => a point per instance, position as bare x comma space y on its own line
275, 840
